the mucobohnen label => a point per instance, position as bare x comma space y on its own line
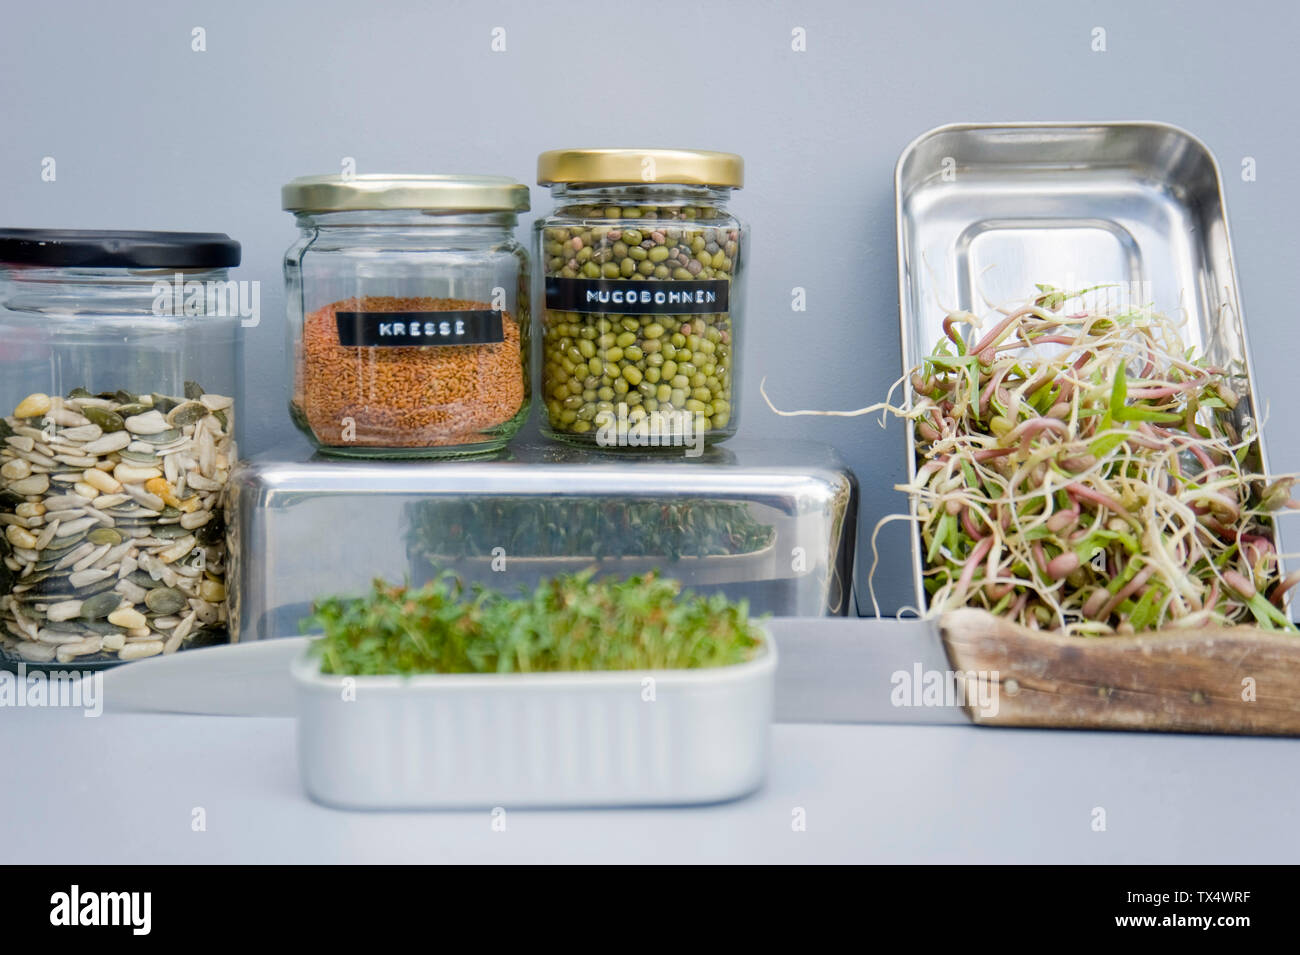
631, 297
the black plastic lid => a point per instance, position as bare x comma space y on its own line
95, 248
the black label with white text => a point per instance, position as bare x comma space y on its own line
419, 329
637, 297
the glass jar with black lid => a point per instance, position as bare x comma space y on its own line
119, 370
643, 264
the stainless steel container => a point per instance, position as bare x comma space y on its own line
773, 525
986, 210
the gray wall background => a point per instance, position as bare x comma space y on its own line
149, 134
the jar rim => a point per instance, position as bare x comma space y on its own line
380, 191
628, 165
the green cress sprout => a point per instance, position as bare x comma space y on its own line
569, 622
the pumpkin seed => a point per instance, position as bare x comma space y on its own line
108, 421
104, 535
187, 413
165, 600
138, 457
193, 391
161, 437
100, 605
142, 579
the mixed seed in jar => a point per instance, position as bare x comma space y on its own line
638, 329
113, 545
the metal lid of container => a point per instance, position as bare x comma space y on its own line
693, 167
336, 193
103, 248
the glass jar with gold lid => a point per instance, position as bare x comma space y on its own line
642, 263
407, 300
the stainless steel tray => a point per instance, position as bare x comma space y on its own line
300, 530
987, 210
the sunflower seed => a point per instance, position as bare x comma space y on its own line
64, 610
84, 578
75, 555
148, 423
54, 637
35, 652
66, 418
35, 484
73, 528
195, 519
15, 470
92, 558
131, 591
87, 432
47, 535
69, 652
216, 402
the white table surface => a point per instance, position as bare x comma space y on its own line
122, 788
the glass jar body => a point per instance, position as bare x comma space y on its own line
643, 292
117, 437
408, 332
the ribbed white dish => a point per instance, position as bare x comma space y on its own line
637, 737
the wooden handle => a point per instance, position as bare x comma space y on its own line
1238, 680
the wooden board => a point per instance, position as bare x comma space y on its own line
1238, 680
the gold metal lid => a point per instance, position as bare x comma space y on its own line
375, 191
693, 167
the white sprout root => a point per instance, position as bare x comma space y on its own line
1082, 471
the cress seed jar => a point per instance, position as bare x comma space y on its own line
408, 325
643, 265
118, 370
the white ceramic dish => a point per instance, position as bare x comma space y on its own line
638, 737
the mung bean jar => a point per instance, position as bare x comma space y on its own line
643, 265
119, 366
407, 298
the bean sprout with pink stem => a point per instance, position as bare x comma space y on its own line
1083, 471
